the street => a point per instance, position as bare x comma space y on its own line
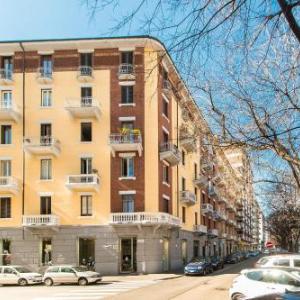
153, 286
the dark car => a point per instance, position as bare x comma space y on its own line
198, 266
217, 262
231, 259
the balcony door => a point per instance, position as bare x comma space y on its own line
86, 165
86, 59
46, 65
128, 255
6, 99
86, 96
46, 134
127, 57
7, 66
5, 168
45, 207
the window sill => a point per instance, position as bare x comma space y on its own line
166, 184
6, 145
89, 142
45, 180
86, 217
5, 219
127, 178
45, 107
126, 104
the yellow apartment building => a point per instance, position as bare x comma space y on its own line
104, 155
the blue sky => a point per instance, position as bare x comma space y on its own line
41, 19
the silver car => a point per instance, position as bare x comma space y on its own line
70, 274
18, 275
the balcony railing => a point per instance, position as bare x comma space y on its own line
200, 229
126, 142
188, 143
6, 76
201, 181
84, 107
83, 182
126, 72
85, 73
9, 111
170, 153
9, 184
207, 167
40, 221
44, 75
212, 191
212, 233
144, 218
218, 180
42, 145
187, 197
207, 208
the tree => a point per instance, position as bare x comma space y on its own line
241, 59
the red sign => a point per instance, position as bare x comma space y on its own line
269, 245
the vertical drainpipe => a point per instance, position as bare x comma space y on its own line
23, 134
177, 167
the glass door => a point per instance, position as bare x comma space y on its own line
46, 65
5, 168
46, 134
8, 67
6, 101
128, 255
166, 257
184, 251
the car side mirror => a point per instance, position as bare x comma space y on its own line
15, 273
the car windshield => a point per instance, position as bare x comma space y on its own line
80, 269
22, 270
197, 260
214, 259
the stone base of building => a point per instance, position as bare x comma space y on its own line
123, 249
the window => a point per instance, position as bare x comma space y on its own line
183, 186
46, 169
127, 94
86, 96
195, 171
45, 205
86, 165
166, 205
86, 59
86, 205
282, 262
46, 134
67, 270
183, 158
53, 270
196, 218
47, 252
297, 263
128, 203
46, 65
196, 193
5, 168
127, 167
165, 137
6, 99
7, 65
165, 173
46, 100
183, 214
86, 132
5, 134
5, 207
165, 107
203, 197
86, 250
127, 57
8, 270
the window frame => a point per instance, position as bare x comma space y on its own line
46, 100
6, 140
48, 170
82, 138
127, 94
86, 205
129, 202
127, 164
7, 214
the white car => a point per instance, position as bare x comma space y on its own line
285, 260
18, 275
70, 274
259, 282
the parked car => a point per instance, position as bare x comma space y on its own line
18, 275
70, 274
231, 259
279, 296
285, 260
254, 253
260, 282
198, 266
217, 262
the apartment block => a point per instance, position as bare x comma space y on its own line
105, 155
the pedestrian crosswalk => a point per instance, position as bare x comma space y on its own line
96, 292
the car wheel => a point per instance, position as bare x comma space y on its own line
82, 281
48, 282
238, 296
22, 282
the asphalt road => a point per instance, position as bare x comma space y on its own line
213, 287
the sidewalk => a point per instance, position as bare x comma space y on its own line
140, 277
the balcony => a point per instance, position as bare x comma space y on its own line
40, 221
207, 208
9, 184
6, 77
44, 76
83, 108
83, 182
144, 219
170, 153
187, 140
222, 200
212, 233
45, 145
188, 198
9, 111
166, 87
200, 229
85, 74
201, 181
218, 180
126, 72
217, 215
125, 142
212, 191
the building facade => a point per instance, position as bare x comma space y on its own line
105, 156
